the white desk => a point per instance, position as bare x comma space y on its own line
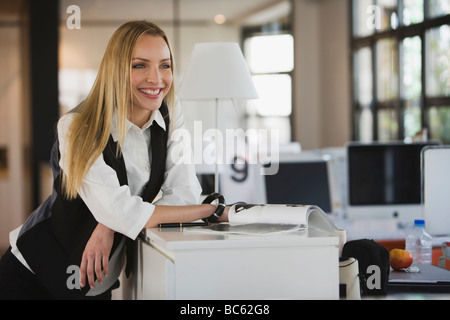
381, 230
173, 264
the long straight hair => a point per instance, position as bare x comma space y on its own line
90, 129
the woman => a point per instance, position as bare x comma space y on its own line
111, 158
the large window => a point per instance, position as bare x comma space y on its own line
270, 57
401, 69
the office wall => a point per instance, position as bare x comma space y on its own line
335, 101
14, 132
321, 78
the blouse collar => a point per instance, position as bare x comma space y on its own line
155, 117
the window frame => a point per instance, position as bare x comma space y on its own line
398, 104
277, 28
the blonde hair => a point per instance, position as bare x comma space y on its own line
90, 129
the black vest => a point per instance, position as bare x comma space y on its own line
55, 235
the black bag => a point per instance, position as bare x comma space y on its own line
373, 263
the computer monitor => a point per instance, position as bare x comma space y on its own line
206, 181
301, 179
435, 188
384, 180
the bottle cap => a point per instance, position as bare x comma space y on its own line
419, 223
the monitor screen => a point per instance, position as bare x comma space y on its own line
384, 174
302, 182
206, 181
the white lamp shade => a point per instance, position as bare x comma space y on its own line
217, 70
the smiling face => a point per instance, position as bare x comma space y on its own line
151, 77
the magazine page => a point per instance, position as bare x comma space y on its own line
258, 229
271, 214
260, 219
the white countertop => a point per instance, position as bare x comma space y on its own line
380, 229
178, 239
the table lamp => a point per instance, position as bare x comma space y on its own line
217, 71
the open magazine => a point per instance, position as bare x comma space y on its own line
262, 219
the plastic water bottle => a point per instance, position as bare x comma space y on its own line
419, 243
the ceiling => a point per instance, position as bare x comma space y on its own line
188, 11
245, 12
9, 10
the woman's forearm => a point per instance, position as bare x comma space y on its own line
173, 214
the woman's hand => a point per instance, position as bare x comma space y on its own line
96, 255
224, 216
